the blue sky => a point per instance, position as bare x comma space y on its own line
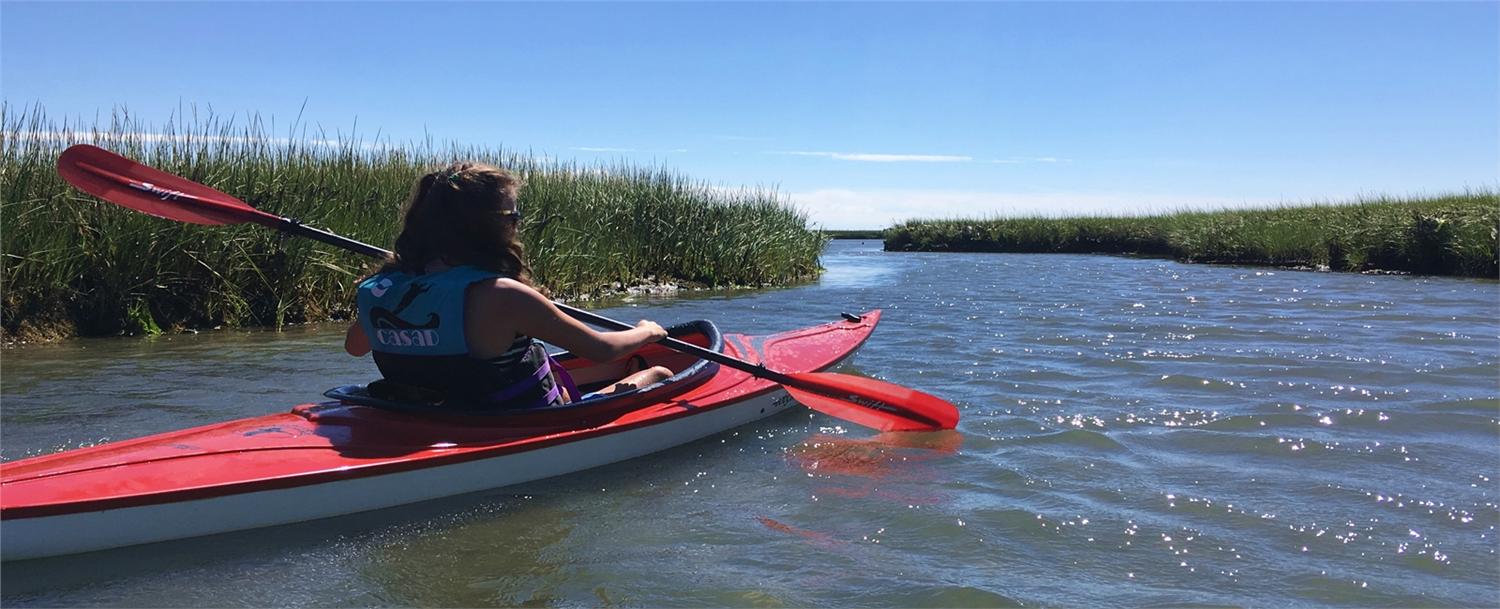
861, 113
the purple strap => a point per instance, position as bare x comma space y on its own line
548, 365
562, 375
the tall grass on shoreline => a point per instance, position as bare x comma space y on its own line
1453, 234
73, 265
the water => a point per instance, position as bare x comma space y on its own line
1135, 433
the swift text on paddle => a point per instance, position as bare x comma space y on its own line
162, 193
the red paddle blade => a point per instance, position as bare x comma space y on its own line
872, 403
122, 181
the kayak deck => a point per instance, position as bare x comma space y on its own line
331, 441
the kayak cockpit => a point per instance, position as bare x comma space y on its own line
688, 372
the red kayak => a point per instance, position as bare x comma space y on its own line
359, 453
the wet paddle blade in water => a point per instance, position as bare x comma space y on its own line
872, 403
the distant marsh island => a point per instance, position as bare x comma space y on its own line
1455, 234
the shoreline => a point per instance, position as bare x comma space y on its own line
608, 295
1299, 267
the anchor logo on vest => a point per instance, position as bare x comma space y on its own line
392, 331
380, 288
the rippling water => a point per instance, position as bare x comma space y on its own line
1135, 432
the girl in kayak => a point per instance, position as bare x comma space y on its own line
453, 312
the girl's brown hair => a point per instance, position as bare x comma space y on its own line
456, 215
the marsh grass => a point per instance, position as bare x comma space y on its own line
76, 265
1454, 234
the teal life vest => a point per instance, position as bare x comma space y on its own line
415, 324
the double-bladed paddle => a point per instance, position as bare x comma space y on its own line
111, 177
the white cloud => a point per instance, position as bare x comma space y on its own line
866, 209
883, 158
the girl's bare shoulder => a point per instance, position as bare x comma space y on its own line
505, 292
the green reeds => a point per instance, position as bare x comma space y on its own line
1455, 234
75, 265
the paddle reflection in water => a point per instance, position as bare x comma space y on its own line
880, 466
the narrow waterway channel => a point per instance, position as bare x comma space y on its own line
1135, 432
